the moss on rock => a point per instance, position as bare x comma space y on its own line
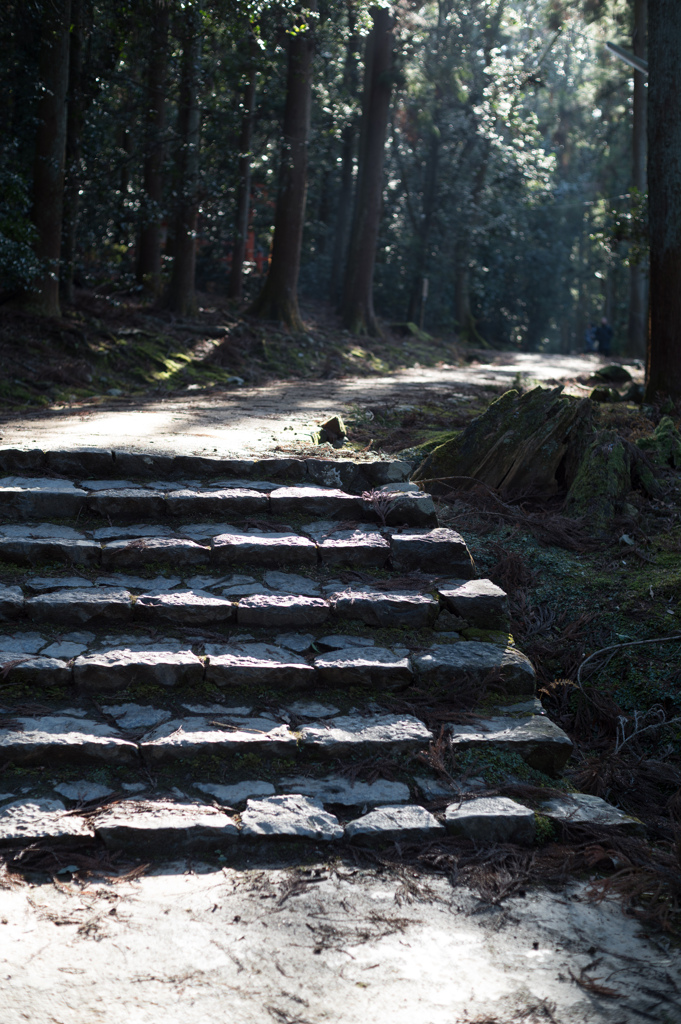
664, 447
602, 483
521, 443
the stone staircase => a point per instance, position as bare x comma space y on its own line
201, 654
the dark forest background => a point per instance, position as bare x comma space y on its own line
514, 158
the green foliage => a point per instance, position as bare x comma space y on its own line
18, 263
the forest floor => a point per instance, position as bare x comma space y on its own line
166, 388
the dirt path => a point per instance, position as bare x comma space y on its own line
257, 420
306, 946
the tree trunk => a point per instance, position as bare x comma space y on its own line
149, 252
358, 301
348, 141
74, 156
664, 181
638, 284
181, 296
243, 204
50, 149
420, 268
278, 299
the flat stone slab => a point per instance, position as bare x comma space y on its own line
487, 820
34, 550
438, 551
164, 828
227, 501
53, 738
364, 666
290, 816
291, 583
82, 792
238, 793
127, 503
258, 664
48, 497
386, 608
35, 669
187, 607
22, 643
136, 717
23, 822
65, 649
317, 501
11, 603
480, 602
109, 671
312, 709
390, 824
298, 642
437, 789
281, 610
43, 584
337, 641
411, 510
158, 585
217, 735
538, 740
585, 809
128, 554
335, 789
98, 604
263, 549
473, 664
132, 531
354, 547
371, 734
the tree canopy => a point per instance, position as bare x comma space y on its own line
171, 146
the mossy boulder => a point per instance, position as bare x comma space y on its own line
531, 443
602, 483
613, 374
664, 447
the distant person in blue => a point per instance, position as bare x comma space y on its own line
590, 339
604, 337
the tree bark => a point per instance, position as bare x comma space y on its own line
182, 296
664, 181
149, 251
638, 284
358, 300
427, 212
50, 150
74, 156
348, 143
243, 204
278, 299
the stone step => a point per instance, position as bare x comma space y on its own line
120, 734
278, 601
222, 546
121, 500
117, 663
171, 826
82, 464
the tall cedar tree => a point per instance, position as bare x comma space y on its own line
278, 299
358, 300
350, 90
149, 247
181, 294
243, 203
638, 283
81, 25
50, 151
664, 183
